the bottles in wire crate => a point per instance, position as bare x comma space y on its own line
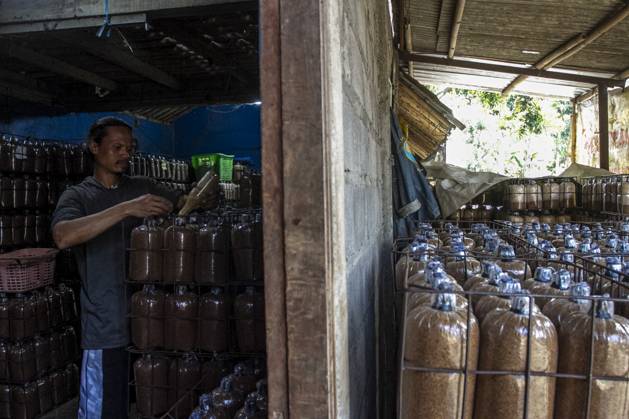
528, 344
550, 194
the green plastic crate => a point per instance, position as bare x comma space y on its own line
223, 164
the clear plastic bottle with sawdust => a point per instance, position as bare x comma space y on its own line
559, 285
184, 373
243, 249
558, 308
411, 262
226, 400
489, 268
508, 262
179, 251
550, 195
461, 265
488, 303
516, 194
439, 282
436, 337
145, 255
609, 357
504, 347
147, 318
151, 385
203, 195
181, 320
533, 196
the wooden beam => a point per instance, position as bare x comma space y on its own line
603, 127
586, 96
498, 68
600, 29
25, 93
623, 75
273, 203
573, 133
456, 25
105, 49
62, 25
20, 11
542, 64
11, 49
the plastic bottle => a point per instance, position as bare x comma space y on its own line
180, 248
212, 257
147, 318
250, 325
151, 387
145, 259
243, 249
213, 316
184, 373
610, 357
181, 320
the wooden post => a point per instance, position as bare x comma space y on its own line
573, 133
603, 127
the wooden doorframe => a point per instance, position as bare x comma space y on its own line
301, 380
273, 208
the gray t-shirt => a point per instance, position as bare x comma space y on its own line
102, 261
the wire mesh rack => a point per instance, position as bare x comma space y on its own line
583, 268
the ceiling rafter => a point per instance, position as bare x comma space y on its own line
11, 49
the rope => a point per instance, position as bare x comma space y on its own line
105, 28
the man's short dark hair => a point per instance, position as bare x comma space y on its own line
98, 130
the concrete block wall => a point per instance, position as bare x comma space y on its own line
366, 49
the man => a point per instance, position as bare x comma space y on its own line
95, 218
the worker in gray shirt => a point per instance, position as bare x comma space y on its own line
95, 219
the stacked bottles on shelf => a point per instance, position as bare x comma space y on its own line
172, 172
607, 194
245, 189
198, 304
541, 195
167, 385
32, 176
38, 351
190, 251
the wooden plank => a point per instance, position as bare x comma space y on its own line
25, 93
77, 23
603, 127
509, 69
304, 210
11, 49
104, 48
273, 204
19, 11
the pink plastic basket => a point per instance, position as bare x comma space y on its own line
27, 269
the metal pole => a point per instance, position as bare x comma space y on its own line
603, 126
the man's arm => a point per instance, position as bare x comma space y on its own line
70, 233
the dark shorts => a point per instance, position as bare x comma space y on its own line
104, 385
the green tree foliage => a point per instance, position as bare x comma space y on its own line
521, 120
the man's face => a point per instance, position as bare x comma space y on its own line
114, 150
